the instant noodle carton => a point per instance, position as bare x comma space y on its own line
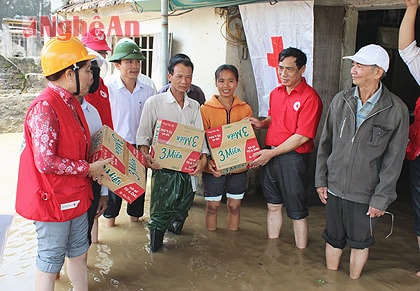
127, 171
232, 146
176, 146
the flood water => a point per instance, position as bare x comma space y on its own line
220, 260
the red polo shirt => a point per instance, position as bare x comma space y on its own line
298, 112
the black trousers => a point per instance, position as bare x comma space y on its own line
135, 209
96, 188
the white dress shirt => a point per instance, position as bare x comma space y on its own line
411, 56
94, 122
127, 107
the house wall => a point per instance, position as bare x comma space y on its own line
190, 36
328, 50
373, 4
203, 42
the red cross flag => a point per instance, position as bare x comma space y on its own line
270, 28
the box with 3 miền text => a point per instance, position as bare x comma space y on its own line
176, 146
232, 146
127, 171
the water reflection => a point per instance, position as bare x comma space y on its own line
18, 266
221, 260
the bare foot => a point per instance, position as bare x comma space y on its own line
418, 274
134, 219
144, 219
109, 222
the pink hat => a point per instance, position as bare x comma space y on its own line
96, 40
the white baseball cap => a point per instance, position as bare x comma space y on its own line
371, 54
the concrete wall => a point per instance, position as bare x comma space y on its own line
202, 42
18, 87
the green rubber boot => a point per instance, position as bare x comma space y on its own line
156, 239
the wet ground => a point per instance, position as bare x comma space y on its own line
220, 260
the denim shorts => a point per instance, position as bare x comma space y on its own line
57, 240
233, 185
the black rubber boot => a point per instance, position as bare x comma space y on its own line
176, 226
156, 239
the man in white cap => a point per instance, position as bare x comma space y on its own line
410, 53
360, 156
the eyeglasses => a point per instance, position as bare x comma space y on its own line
392, 224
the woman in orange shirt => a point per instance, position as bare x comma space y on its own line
222, 109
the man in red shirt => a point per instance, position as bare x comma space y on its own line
294, 112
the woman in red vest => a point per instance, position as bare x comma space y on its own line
54, 182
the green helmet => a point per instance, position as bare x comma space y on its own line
126, 50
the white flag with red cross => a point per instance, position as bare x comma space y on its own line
269, 28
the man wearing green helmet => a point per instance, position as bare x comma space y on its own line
142, 78
127, 50
127, 95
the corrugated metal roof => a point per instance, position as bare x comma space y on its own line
79, 5
149, 5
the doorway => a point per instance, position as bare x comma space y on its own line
381, 27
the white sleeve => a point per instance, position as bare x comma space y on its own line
411, 56
147, 122
104, 190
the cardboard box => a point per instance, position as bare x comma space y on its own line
127, 170
232, 146
176, 146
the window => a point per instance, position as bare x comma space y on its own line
16, 43
145, 42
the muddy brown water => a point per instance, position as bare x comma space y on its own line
220, 260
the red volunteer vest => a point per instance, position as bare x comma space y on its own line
50, 197
100, 100
413, 147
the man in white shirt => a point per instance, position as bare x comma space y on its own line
410, 53
407, 45
169, 204
127, 95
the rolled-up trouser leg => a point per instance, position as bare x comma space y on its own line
114, 205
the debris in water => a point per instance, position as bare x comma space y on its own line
320, 281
